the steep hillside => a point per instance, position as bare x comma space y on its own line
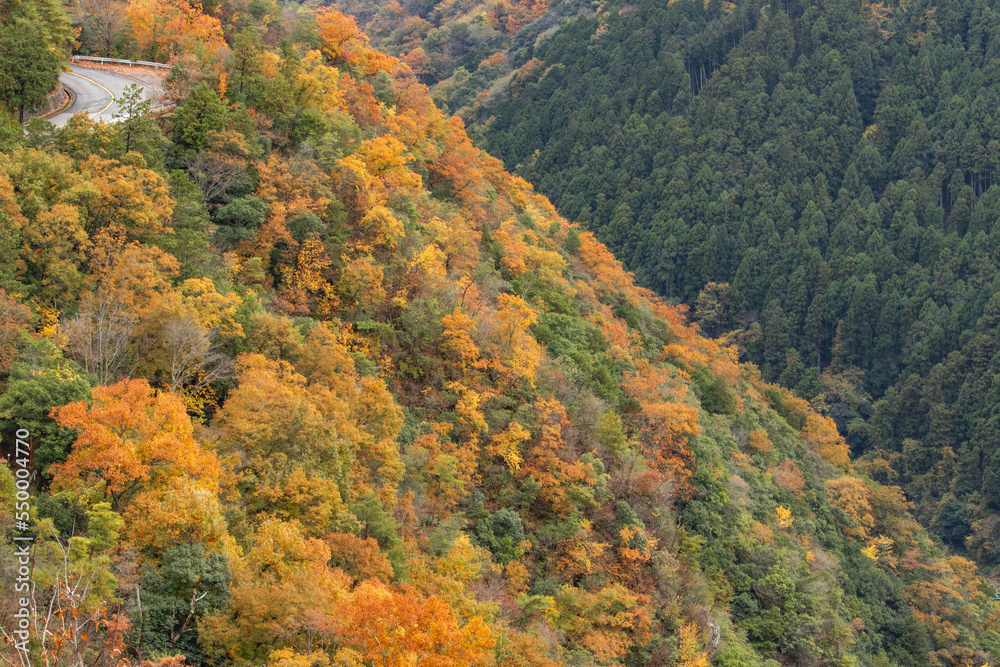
311, 380
816, 179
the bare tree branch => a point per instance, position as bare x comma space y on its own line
216, 175
103, 22
98, 336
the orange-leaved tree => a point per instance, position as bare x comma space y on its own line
165, 28
388, 626
821, 433
788, 476
559, 480
665, 421
338, 33
131, 438
288, 459
343, 43
609, 622
282, 595
270, 413
851, 495
944, 597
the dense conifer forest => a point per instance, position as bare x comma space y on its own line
309, 380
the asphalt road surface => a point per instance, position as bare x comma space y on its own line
96, 93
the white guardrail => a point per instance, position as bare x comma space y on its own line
117, 61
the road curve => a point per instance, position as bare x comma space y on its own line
96, 91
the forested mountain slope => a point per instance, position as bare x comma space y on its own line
310, 380
816, 179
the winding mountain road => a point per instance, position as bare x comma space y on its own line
96, 91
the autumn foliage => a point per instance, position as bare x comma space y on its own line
132, 440
386, 626
373, 402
